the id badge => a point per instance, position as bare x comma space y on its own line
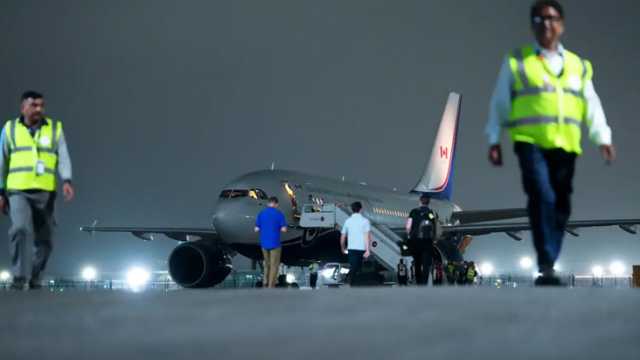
40, 167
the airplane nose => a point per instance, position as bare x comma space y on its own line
232, 219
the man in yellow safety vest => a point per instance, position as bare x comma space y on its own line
33, 148
543, 95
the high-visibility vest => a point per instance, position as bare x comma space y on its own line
471, 273
26, 151
547, 110
313, 268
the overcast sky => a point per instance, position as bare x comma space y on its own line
163, 102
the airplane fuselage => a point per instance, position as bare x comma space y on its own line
244, 197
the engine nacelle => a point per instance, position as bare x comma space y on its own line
630, 229
517, 236
198, 264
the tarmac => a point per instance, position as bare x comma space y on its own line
365, 323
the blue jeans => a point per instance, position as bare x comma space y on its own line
355, 257
547, 178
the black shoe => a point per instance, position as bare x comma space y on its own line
35, 285
549, 280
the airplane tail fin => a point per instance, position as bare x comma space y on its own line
437, 179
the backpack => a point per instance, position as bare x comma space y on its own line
429, 227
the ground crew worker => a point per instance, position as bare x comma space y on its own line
471, 273
543, 94
438, 274
413, 271
451, 276
461, 274
402, 273
313, 275
33, 148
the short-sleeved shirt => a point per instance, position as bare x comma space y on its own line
270, 221
355, 228
416, 216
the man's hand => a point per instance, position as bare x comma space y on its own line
608, 153
67, 189
344, 251
4, 205
495, 155
367, 254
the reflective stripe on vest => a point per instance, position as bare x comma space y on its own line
471, 273
547, 110
26, 151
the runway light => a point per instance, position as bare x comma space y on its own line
526, 262
5, 275
137, 277
486, 269
88, 273
617, 268
557, 267
597, 270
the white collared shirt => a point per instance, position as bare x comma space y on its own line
500, 107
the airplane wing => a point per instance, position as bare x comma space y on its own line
146, 233
512, 229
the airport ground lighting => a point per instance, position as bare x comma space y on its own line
137, 276
597, 270
486, 269
4, 275
557, 267
617, 268
89, 274
526, 262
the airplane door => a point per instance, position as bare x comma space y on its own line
290, 187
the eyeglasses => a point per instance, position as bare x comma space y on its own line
542, 19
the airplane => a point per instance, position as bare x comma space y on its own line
203, 258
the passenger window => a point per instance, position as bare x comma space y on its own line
225, 193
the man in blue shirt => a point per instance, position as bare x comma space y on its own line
270, 223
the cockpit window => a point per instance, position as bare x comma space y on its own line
258, 194
235, 193
239, 193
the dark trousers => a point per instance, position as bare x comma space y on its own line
547, 178
402, 280
313, 279
423, 258
355, 257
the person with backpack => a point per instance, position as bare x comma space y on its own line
420, 243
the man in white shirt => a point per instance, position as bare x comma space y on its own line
543, 94
356, 228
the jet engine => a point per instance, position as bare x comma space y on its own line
198, 264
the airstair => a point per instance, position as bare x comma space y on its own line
383, 245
